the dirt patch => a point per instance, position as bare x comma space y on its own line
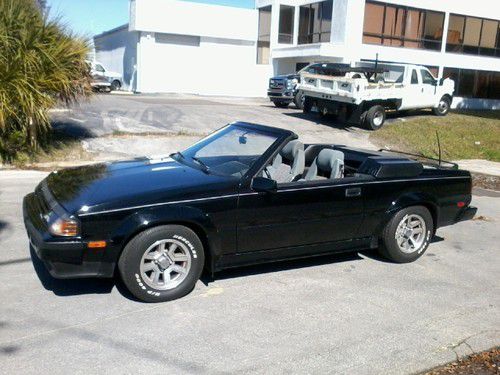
486, 181
485, 363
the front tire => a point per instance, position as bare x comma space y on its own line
281, 104
407, 235
307, 105
162, 263
443, 107
298, 100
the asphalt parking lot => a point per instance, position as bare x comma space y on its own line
338, 314
112, 126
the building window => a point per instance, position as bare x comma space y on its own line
287, 14
401, 26
264, 37
472, 35
315, 22
474, 83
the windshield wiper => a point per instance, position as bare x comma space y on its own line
200, 162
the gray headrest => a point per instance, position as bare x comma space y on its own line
291, 149
326, 159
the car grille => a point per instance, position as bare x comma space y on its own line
276, 83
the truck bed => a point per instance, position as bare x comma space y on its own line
349, 90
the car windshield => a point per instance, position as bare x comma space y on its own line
230, 151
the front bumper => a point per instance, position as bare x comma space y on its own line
281, 95
467, 213
64, 259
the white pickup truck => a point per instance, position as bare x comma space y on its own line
364, 94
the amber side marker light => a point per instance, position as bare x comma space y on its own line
96, 244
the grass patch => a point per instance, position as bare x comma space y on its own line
58, 148
463, 135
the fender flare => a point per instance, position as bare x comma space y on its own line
407, 200
191, 217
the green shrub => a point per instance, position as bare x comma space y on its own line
41, 64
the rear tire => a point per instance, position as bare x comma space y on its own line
162, 263
281, 104
298, 100
443, 107
307, 105
374, 118
407, 235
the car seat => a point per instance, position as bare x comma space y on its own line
328, 162
289, 163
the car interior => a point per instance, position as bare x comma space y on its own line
296, 163
299, 163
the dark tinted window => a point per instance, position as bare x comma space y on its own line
264, 37
474, 83
401, 26
473, 35
315, 22
427, 77
414, 78
286, 24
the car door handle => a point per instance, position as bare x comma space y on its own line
353, 192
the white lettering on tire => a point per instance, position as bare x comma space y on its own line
189, 244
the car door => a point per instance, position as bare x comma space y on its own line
299, 213
428, 89
413, 91
99, 70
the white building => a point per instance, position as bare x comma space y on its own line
187, 47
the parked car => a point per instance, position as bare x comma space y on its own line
364, 94
100, 74
283, 88
245, 194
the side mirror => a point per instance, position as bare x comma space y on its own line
263, 184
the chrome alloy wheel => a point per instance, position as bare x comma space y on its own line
378, 119
165, 264
410, 233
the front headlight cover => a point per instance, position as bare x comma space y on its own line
65, 227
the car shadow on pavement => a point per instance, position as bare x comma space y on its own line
329, 121
3, 225
280, 266
69, 287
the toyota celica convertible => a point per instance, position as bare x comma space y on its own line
245, 194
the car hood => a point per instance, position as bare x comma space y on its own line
285, 76
118, 185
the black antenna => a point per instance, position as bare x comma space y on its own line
439, 147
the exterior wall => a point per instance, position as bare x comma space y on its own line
197, 48
200, 65
117, 51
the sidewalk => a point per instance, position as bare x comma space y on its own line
491, 168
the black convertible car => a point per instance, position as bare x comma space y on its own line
243, 195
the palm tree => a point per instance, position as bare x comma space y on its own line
41, 64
